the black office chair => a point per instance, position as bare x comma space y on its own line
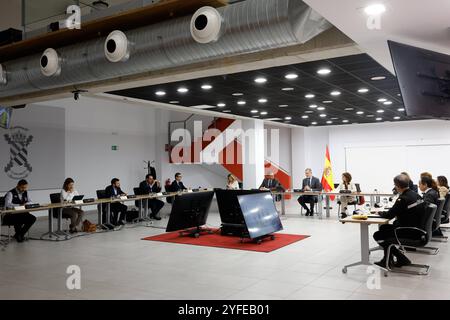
2, 207
316, 206
446, 213
437, 233
168, 199
412, 237
358, 202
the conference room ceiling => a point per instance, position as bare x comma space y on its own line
349, 93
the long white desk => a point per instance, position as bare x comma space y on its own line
321, 195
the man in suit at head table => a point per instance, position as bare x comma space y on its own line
272, 184
151, 185
177, 184
310, 183
118, 209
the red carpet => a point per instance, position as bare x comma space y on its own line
228, 242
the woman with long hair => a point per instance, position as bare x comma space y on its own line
74, 214
443, 188
348, 185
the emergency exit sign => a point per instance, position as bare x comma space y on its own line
114, 148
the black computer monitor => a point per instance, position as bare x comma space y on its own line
228, 204
424, 80
190, 210
260, 214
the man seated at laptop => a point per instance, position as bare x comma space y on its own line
22, 222
177, 184
118, 210
151, 185
272, 184
75, 215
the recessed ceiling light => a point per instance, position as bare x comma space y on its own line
388, 103
375, 9
335, 93
322, 115
401, 109
349, 109
282, 105
334, 118
305, 117
321, 108
382, 100
399, 94
291, 76
363, 90
379, 119
287, 89
380, 111
241, 102
226, 111
308, 111
344, 121
287, 118
160, 93
254, 111
323, 71
262, 100
314, 123
313, 106
260, 80
329, 122
237, 94
309, 96
370, 116
183, 90
263, 113
206, 87
397, 118
359, 112
174, 102
327, 101
221, 105
378, 78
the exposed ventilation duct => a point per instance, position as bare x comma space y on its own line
244, 27
117, 48
50, 63
206, 25
3, 79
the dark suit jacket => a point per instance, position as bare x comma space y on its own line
175, 187
315, 184
273, 184
110, 193
406, 210
146, 189
431, 196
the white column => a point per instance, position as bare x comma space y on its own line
298, 152
162, 165
252, 141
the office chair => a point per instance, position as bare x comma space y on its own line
316, 206
411, 237
437, 233
101, 208
358, 202
446, 213
2, 206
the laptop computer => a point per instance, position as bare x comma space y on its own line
77, 198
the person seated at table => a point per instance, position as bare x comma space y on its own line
151, 185
443, 188
23, 221
428, 194
310, 183
118, 209
346, 184
232, 182
270, 183
177, 184
74, 214
407, 214
434, 185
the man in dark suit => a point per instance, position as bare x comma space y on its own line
310, 183
118, 210
177, 184
272, 184
151, 185
408, 211
428, 194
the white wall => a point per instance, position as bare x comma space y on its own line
10, 14
279, 140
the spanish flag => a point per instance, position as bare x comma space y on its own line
327, 176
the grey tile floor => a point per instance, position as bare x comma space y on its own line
118, 265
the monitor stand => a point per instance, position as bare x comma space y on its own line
195, 232
258, 240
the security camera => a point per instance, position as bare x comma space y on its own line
76, 94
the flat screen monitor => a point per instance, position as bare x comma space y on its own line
424, 80
228, 204
189, 210
260, 214
5, 117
